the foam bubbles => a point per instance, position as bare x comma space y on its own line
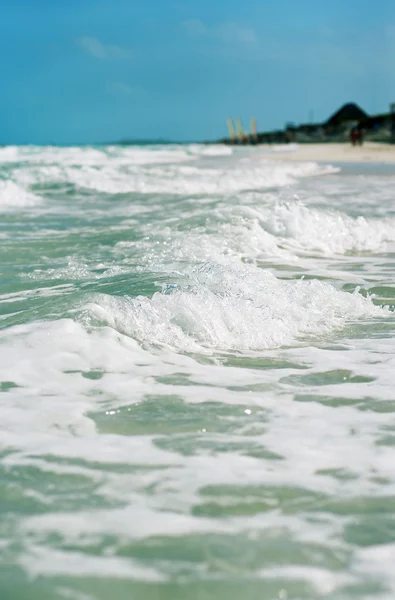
12, 196
226, 308
183, 400
210, 150
326, 231
121, 170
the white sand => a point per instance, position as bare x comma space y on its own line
370, 152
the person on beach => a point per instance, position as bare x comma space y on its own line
357, 135
354, 135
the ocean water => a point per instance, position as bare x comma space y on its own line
197, 376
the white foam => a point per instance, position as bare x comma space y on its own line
210, 150
138, 155
8, 154
125, 170
279, 419
329, 232
255, 230
95, 156
44, 561
13, 196
244, 309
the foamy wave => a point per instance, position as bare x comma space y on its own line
210, 150
13, 196
171, 169
95, 156
172, 178
122, 155
244, 309
8, 154
150, 155
291, 232
328, 232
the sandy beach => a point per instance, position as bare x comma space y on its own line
370, 152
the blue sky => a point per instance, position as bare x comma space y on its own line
87, 71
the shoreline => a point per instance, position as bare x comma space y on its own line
370, 152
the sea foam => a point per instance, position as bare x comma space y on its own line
230, 308
13, 196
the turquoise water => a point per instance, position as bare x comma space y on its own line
196, 376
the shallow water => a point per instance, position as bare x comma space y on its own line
196, 376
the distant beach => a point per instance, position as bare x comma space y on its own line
370, 152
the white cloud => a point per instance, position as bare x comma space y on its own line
228, 32
98, 49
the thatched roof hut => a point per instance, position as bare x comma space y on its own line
348, 112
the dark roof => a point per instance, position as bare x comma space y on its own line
348, 112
